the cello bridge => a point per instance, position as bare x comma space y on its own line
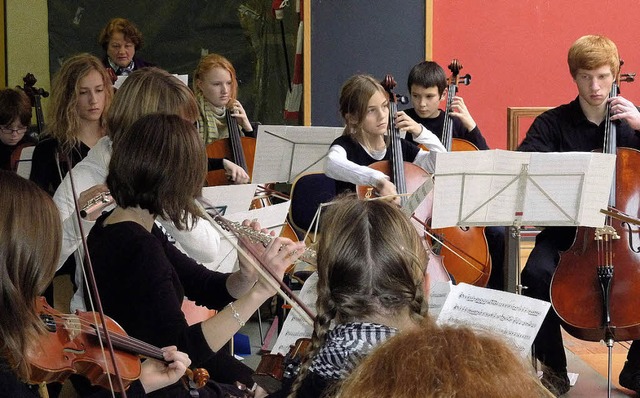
606, 233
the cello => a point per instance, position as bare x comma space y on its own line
602, 261
34, 94
237, 148
465, 249
594, 288
407, 177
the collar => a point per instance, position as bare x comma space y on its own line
345, 345
576, 114
119, 70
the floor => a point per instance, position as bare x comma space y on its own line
587, 359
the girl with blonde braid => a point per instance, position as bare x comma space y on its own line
371, 285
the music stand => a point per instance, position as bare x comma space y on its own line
285, 152
504, 188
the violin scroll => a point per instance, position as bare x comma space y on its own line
195, 379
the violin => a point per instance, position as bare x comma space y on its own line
240, 150
465, 249
72, 344
273, 368
594, 287
407, 177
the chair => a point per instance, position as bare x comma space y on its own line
23, 167
307, 193
514, 116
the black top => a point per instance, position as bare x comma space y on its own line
44, 168
134, 266
357, 155
567, 129
143, 278
436, 125
11, 387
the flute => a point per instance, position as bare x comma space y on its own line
96, 203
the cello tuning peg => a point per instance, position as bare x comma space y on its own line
628, 77
403, 99
466, 79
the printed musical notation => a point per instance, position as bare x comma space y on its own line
515, 318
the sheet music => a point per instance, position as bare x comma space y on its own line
438, 293
271, 217
294, 326
232, 198
284, 152
514, 317
481, 188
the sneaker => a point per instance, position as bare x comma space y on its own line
556, 381
630, 377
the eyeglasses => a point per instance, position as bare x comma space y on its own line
9, 130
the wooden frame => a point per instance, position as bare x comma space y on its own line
514, 113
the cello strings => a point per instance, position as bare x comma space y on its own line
426, 230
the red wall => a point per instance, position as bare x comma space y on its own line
516, 50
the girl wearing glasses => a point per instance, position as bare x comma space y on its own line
15, 117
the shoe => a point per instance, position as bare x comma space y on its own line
556, 381
630, 377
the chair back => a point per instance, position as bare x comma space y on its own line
307, 193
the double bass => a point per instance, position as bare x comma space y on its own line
465, 249
407, 177
594, 288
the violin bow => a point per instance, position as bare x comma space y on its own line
90, 281
281, 288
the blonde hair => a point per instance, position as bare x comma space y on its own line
145, 91
442, 362
370, 261
64, 122
30, 241
591, 52
354, 101
210, 62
